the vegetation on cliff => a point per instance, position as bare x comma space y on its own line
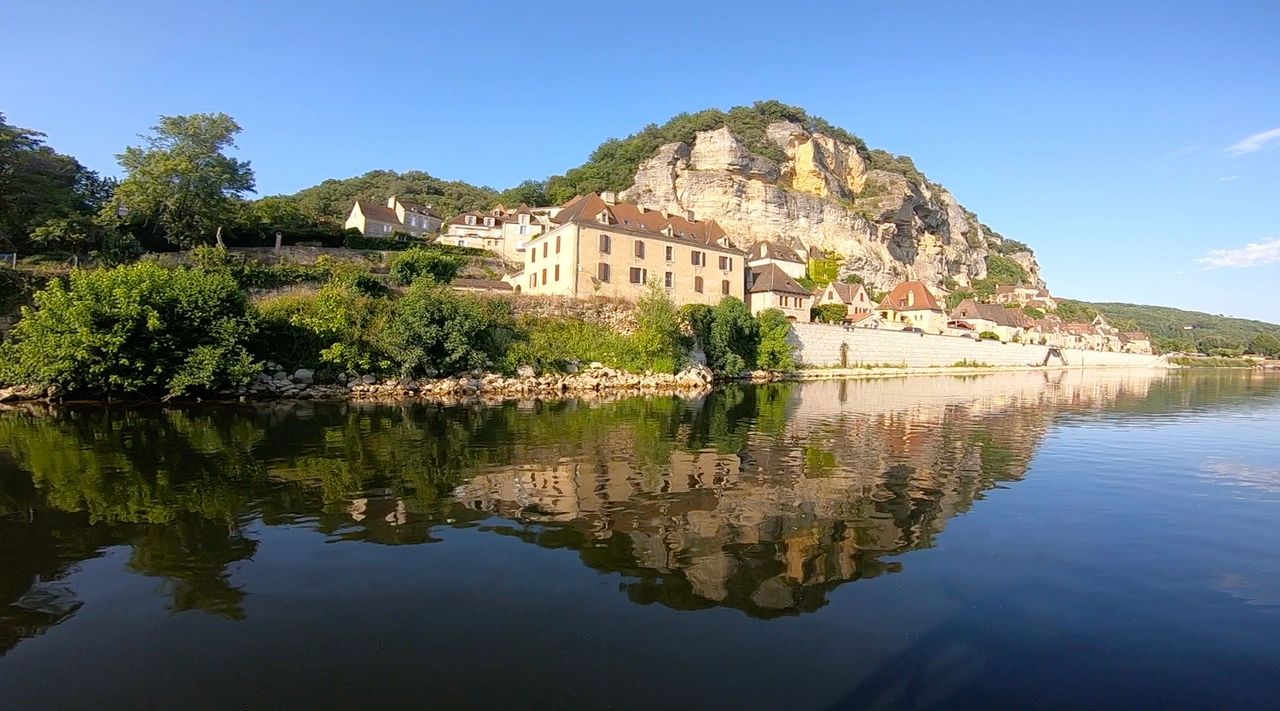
1179, 330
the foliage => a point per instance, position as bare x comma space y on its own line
1033, 312
1175, 345
1265, 344
1004, 271
729, 334
955, 297
1009, 246
775, 352
434, 330
552, 344
1219, 346
989, 336
656, 344
139, 328
1211, 362
276, 212
966, 363
1163, 322
181, 181
530, 192
38, 184
612, 166
823, 271
829, 313
77, 234
406, 267
1075, 311
950, 284
338, 325
330, 201
853, 278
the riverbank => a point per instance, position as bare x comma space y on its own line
897, 371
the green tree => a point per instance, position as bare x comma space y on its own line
1002, 270
433, 329
656, 342
829, 313
732, 337
530, 192
1265, 344
78, 234
955, 297
1036, 313
133, 329
38, 184
180, 182
775, 351
853, 278
276, 212
416, 263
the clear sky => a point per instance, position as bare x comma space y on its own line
1124, 141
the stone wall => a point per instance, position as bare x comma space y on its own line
613, 314
819, 345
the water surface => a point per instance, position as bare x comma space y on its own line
1057, 540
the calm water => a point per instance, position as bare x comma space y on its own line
1106, 539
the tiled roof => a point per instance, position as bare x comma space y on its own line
898, 299
375, 211
771, 278
773, 250
588, 208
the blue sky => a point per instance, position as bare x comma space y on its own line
1100, 133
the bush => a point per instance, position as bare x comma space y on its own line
829, 313
775, 352
435, 330
417, 263
133, 329
1265, 344
552, 344
1003, 270
1035, 313
730, 336
989, 336
656, 345
339, 325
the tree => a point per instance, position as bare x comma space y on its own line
531, 192
732, 337
852, 278
77, 234
955, 297
276, 212
829, 313
656, 342
435, 330
181, 182
414, 263
38, 184
1265, 344
774, 351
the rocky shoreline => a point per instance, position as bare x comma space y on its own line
595, 380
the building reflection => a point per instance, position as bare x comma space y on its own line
758, 498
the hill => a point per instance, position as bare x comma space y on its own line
1176, 329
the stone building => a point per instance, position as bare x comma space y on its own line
1005, 322
853, 296
500, 230
600, 247
786, 259
912, 304
769, 287
396, 217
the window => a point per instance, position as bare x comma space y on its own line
603, 272
726, 264
638, 275
544, 249
604, 244
669, 280
533, 280
698, 259
488, 222
557, 272
557, 244
386, 228
671, 253
697, 284
639, 249
471, 219
724, 286
544, 276
533, 255
524, 230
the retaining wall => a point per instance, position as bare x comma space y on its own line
820, 345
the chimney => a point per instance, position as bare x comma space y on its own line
609, 197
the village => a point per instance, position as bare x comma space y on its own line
596, 246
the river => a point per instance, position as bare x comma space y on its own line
1066, 539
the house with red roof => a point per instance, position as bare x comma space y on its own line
912, 305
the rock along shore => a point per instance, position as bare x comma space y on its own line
595, 381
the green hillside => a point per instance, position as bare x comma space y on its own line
1177, 329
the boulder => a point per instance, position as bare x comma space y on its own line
304, 376
525, 371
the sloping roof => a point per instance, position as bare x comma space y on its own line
770, 278
588, 208
899, 298
1136, 335
480, 217
420, 209
773, 250
995, 313
375, 211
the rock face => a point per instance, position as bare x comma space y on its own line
883, 225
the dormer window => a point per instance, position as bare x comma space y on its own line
488, 222
471, 219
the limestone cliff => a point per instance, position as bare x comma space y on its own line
884, 225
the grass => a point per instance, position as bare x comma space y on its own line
1211, 362
971, 364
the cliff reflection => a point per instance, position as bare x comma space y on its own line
760, 498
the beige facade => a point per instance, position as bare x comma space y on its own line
585, 260
785, 258
912, 305
795, 306
502, 231
852, 296
396, 217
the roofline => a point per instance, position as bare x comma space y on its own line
639, 233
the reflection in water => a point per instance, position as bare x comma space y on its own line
758, 498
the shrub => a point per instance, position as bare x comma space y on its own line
656, 344
829, 313
433, 329
417, 263
1265, 344
133, 329
730, 336
989, 336
1003, 270
338, 325
1036, 313
775, 352
552, 344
